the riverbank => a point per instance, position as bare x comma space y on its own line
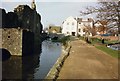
33, 67
54, 71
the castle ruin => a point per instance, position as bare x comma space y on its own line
20, 29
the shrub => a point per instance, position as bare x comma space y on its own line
64, 40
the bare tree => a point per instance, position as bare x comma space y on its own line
89, 30
109, 11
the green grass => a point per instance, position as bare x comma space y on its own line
81, 37
96, 41
113, 53
98, 44
109, 51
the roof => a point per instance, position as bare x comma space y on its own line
83, 20
103, 22
56, 28
79, 19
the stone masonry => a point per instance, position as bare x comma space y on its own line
17, 41
12, 40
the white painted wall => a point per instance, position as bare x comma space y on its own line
69, 26
82, 26
67, 29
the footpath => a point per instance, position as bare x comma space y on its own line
87, 62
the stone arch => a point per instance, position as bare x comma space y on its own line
5, 54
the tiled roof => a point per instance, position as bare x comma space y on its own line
103, 22
87, 20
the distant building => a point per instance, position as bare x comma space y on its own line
85, 25
69, 26
100, 27
54, 29
77, 26
113, 31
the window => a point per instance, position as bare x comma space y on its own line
79, 30
50, 27
83, 30
68, 33
72, 23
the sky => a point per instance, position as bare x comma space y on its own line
52, 11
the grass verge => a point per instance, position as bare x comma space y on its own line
109, 51
98, 44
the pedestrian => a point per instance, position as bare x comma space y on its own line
103, 41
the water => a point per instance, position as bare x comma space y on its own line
114, 46
32, 67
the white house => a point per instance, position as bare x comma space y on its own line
69, 26
76, 26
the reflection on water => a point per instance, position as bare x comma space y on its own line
12, 68
28, 66
50, 53
114, 46
32, 67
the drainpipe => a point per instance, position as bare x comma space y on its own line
77, 25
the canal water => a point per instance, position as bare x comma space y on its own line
35, 66
114, 46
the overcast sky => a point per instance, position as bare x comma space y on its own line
52, 11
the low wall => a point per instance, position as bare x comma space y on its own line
54, 72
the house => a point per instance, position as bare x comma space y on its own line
85, 26
54, 29
69, 26
77, 26
113, 31
100, 27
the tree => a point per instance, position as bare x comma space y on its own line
109, 11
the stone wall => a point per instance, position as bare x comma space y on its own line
23, 17
17, 41
54, 71
12, 40
27, 42
28, 18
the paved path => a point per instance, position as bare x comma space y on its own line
87, 62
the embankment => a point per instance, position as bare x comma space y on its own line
54, 71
